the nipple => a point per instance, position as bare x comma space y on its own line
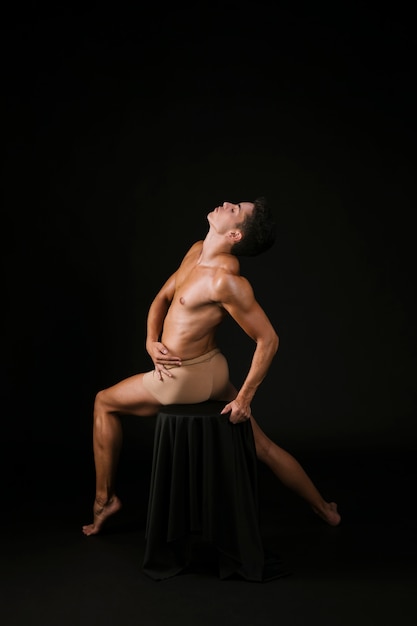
182, 300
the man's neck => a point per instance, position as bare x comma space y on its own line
213, 246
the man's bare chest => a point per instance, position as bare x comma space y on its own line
195, 289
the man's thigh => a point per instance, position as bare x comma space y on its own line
131, 397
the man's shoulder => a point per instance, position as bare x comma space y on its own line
229, 282
196, 247
197, 244
228, 264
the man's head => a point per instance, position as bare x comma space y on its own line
258, 230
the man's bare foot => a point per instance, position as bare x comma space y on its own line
329, 513
101, 513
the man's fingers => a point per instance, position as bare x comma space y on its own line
238, 420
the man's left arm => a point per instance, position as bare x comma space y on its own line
241, 304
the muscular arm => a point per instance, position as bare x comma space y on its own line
158, 310
155, 321
238, 299
160, 305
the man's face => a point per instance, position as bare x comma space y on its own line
228, 215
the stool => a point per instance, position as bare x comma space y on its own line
204, 483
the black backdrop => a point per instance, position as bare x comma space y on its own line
124, 127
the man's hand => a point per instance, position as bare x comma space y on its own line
238, 412
162, 358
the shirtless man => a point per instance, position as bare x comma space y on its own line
188, 366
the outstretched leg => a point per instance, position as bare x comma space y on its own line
289, 471
128, 397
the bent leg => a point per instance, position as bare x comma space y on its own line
289, 471
129, 397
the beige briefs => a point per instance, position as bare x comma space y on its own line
195, 380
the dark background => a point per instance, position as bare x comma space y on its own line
122, 127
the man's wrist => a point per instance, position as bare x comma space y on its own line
244, 398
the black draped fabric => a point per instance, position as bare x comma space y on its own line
204, 482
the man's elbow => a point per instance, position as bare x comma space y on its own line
274, 343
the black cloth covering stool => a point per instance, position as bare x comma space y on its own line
204, 483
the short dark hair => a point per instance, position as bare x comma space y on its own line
259, 230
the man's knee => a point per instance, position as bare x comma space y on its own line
99, 401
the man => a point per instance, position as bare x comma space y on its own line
188, 366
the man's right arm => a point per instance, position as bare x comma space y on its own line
158, 310
155, 322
